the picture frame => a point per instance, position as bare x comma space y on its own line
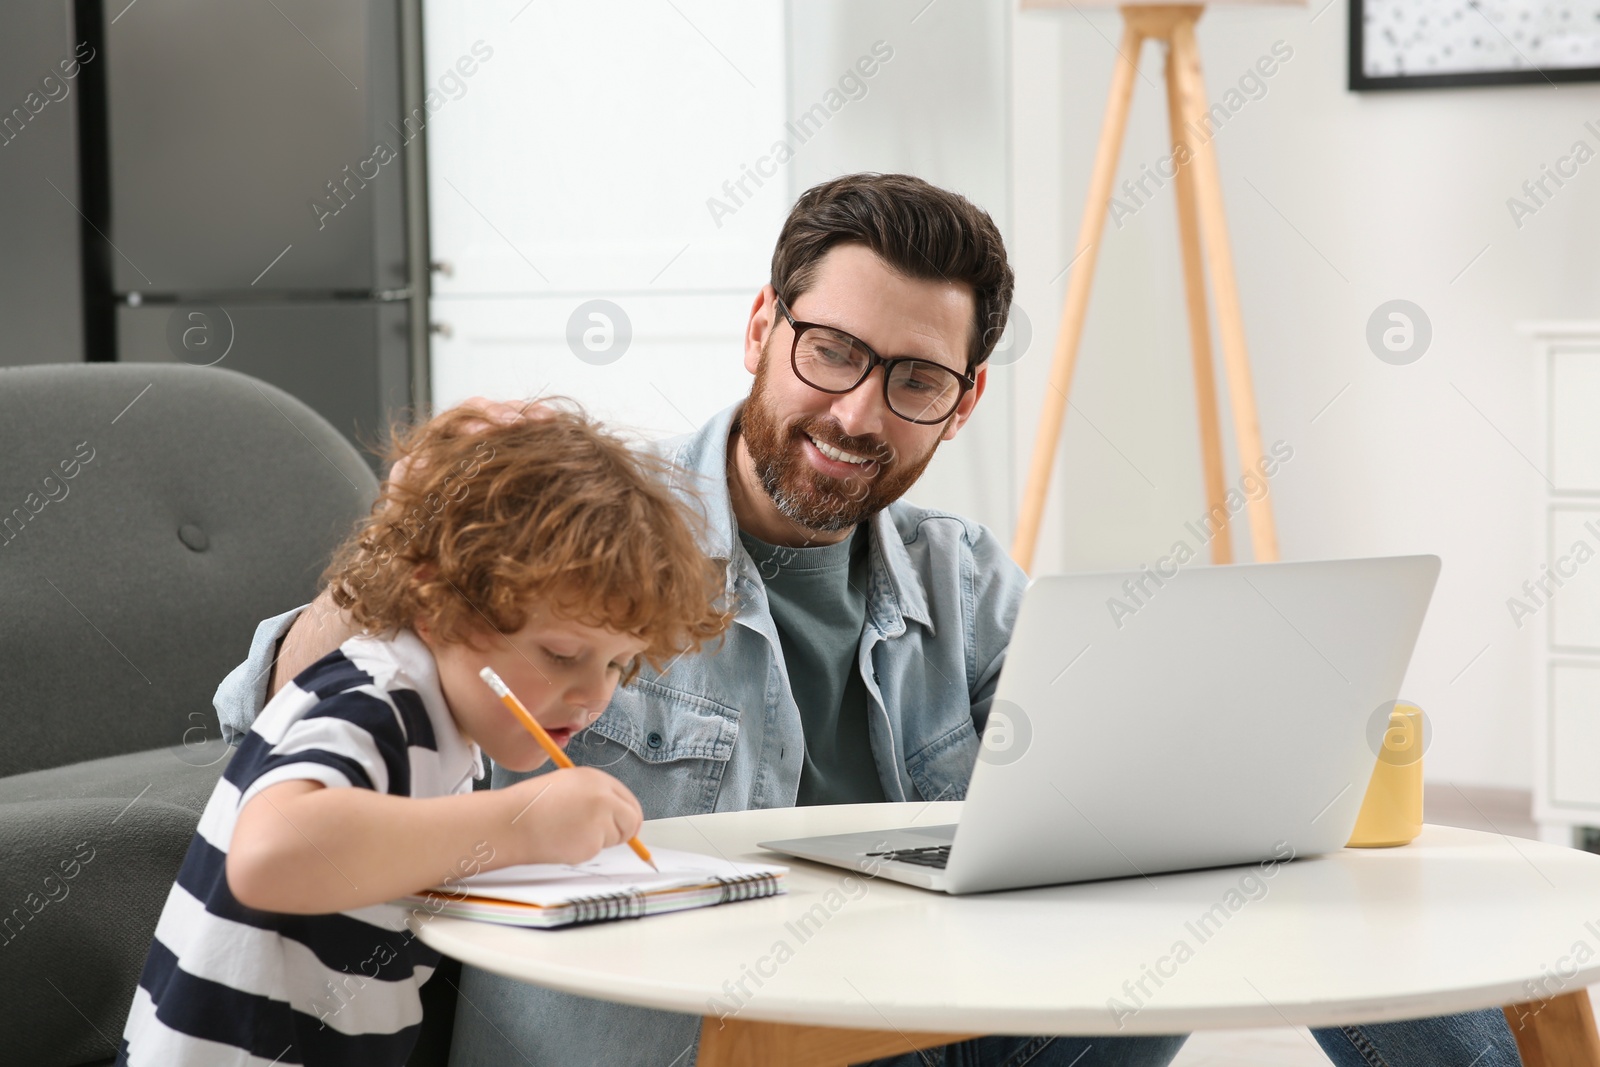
1432, 44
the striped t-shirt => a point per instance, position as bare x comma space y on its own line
227, 985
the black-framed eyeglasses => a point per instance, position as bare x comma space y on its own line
832, 361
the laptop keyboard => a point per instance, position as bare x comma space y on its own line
931, 856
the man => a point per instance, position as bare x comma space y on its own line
869, 632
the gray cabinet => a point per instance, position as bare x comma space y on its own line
258, 182
231, 123
41, 283
346, 360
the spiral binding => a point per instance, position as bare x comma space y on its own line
747, 887
603, 907
634, 903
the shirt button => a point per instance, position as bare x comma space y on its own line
654, 740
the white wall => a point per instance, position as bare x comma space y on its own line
576, 165
561, 172
943, 121
1337, 203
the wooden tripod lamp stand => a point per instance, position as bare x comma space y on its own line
1557, 1032
1203, 240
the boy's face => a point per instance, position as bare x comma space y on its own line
563, 672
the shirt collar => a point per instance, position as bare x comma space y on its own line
701, 480
901, 580
896, 590
462, 755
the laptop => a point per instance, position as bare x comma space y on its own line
1148, 722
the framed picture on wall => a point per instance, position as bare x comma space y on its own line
1420, 44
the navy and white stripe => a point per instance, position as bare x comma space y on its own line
225, 984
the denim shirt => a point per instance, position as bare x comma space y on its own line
720, 730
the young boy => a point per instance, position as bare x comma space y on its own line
546, 549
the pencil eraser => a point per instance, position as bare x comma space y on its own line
493, 681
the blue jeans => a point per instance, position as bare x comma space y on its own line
1473, 1039
1154, 1051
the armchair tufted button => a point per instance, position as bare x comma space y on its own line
654, 740
193, 537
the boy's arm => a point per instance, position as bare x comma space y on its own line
300, 847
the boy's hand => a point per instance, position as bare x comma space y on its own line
569, 815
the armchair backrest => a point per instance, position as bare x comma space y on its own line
150, 516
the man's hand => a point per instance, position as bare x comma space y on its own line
569, 815
498, 412
324, 626
319, 629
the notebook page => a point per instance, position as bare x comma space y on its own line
614, 870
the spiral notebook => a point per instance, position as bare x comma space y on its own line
616, 884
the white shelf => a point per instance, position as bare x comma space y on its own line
1564, 586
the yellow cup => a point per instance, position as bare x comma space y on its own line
1391, 814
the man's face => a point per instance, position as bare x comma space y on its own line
828, 461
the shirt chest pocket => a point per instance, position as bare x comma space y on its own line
942, 768
670, 747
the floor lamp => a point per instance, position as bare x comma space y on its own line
1557, 1032
1203, 242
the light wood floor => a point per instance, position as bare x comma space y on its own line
1506, 811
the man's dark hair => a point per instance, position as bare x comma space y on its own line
920, 230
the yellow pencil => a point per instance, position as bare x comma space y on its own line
546, 742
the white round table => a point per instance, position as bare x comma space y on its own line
1458, 920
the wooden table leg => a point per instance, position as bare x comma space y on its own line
737, 1043
1558, 1032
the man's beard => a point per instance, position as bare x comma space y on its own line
803, 494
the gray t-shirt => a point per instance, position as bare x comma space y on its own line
818, 598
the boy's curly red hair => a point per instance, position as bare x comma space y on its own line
490, 519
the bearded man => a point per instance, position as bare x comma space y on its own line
869, 632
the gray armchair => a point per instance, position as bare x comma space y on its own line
150, 516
